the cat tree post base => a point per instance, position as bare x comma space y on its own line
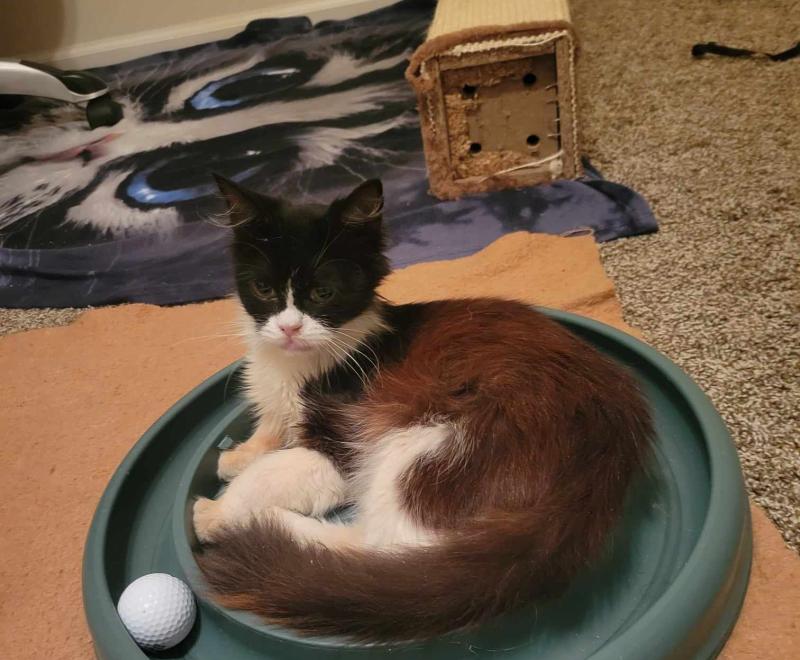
495, 83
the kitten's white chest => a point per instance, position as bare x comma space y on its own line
274, 384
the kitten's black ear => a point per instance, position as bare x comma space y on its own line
241, 204
364, 204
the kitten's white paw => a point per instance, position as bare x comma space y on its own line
232, 462
206, 517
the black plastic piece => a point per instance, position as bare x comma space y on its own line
10, 101
103, 111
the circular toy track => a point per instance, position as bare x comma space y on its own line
671, 586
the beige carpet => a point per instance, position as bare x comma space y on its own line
714, 146
18, 320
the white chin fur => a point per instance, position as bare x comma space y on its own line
311, 336
314, 343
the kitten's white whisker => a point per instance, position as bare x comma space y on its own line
227, 383
374, 362
238, 335
256, 248
357, 347
341, 359
325, 248
349, 360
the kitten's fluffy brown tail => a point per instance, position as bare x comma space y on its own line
415, 593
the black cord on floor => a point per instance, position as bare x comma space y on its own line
713, 48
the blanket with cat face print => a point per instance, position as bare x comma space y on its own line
303, 111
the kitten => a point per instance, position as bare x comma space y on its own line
486, 450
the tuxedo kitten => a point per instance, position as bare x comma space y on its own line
486, 451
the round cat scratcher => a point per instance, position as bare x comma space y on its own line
671, 585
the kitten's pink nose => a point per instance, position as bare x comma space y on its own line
290, 329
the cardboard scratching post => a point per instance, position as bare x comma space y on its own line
496, 87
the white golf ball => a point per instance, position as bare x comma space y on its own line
158, 610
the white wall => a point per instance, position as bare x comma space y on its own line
84, 33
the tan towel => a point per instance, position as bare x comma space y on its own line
73, 400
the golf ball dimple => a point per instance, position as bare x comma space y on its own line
158, 610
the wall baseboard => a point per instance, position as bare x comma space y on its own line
138, 44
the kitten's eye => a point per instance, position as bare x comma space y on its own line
262, 291
321, 294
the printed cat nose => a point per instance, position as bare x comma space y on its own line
290, 329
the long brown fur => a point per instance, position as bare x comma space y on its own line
547, 434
